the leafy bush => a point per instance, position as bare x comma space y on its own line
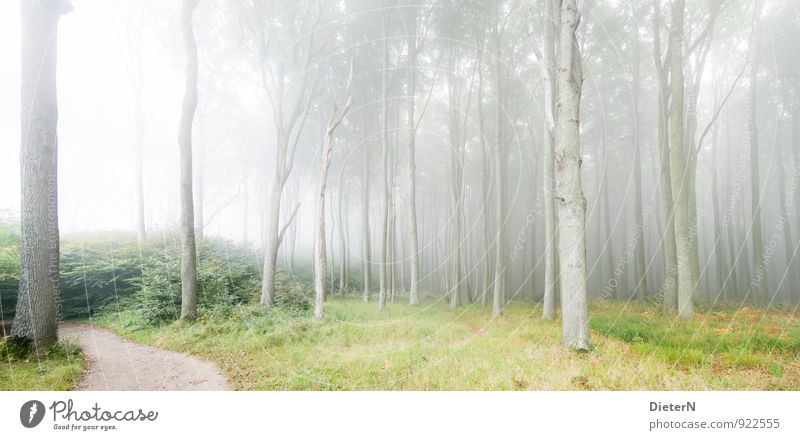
227, 276
291, 294
14, 348
9, 265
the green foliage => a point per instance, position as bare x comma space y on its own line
292, 294
227, 276
9, 266
15, 348
58, 370
111, 271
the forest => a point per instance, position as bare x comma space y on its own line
402, 194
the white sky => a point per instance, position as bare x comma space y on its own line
96, 119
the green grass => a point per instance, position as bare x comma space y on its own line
432, 347
59, 370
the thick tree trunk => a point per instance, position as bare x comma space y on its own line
568, 189
37, 312
678, 167
188, 246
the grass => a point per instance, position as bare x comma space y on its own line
59, 370
432, 347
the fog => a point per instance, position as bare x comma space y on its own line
477, 75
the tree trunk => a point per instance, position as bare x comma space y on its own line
366, 267
759, 283
500, 274
669, 288
319, 219
37, 313
678, 168
188, 246
568, 188
384, 266
412, 162
640, 278
551, 25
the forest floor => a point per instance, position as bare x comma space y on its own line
433, 347
119, 364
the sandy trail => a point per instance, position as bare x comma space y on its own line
119, 364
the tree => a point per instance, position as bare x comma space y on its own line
335, 118
670, 287
37, 313
678, 168
287, 77
188, 245
412, 162
385, 273
759, 283
568, 188
135, 78
546, 68
500, 274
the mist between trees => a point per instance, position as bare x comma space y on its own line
478, 151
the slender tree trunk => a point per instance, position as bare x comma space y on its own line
366, 268
669, 288
199, 180
141, 231
319, 221
500, 274
320, 257
456, 288
759, 283
188, 246
37, 311
412, 162
384, 266
485, 186
678, 167
552, 22
640, 278
343, 271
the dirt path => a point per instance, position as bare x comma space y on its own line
117, 363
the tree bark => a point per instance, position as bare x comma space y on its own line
759, 283
569, 191
678, 168
37, 312
385, 248
551, 26
500, 275
366, 267
412, 162
188, 246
